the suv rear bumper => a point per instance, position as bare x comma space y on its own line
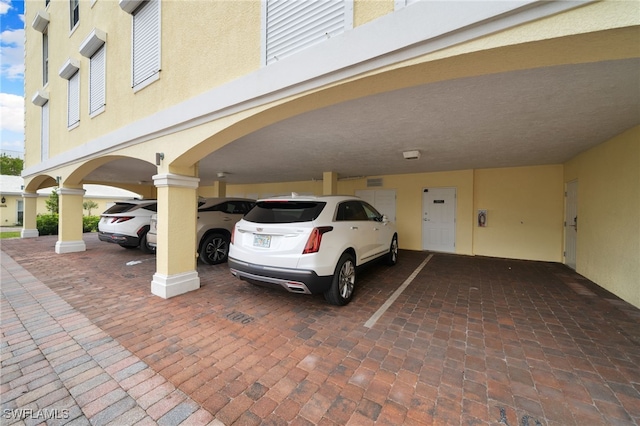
293, 280
123, 240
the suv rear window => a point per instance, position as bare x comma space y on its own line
127, 207
285, 211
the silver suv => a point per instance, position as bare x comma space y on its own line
216, 219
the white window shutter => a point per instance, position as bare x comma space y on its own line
44, 132
146, 42
97, 80
294, 25
74, 100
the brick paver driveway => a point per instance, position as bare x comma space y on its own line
470, 340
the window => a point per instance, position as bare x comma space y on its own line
97, 81
71, 71
94, 48
351, 210
294, 25
44, 132
41, 99
146, 44
73, 101
74, 8
45, 58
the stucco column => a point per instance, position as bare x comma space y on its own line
176, 246
329, 183
219, 189
70, 221
29, 214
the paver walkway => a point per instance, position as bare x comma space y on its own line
470, 340
59, 368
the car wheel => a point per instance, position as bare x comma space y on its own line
145, 247
392, 257
214, 249
344, 281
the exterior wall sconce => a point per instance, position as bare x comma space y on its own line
159, 158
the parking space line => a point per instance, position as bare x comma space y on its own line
376, 316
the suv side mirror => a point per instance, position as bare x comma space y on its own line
385, 219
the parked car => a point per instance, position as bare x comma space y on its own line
311, 244
216, 218
127, 223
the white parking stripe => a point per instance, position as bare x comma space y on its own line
375, 317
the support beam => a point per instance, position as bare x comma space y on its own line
329, 183
70, 221
29, 215
176, 247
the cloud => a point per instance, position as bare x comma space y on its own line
12, 54
5, 5
12, 112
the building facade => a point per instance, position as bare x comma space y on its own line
523, 112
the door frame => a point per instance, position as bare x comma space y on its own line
570, 228
455, 216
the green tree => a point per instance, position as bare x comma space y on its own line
52, 202
10, 166
89, 205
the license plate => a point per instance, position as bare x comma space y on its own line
262, 240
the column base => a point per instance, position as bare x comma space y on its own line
174, 285
29, 233
70, 246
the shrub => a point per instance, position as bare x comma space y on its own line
47, 224
90, 223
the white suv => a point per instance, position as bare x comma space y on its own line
126, 223
216, 217
311, 244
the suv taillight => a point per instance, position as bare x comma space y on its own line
313, 243
121, 219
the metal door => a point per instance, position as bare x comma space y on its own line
439, 219
571, 224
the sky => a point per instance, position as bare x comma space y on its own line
12, 76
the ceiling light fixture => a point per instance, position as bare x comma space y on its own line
411, 155
222, 175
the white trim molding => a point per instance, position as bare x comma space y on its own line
29, 233
40, 98
63, 247
41, 21
69, 68
70, 191
173, 180
167, 286
93, 42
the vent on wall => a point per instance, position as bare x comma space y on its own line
374, 182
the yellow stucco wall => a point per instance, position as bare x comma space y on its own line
525, 208
608, 242
9, 210
524, 212
9, 214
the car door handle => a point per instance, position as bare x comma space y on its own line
354, 227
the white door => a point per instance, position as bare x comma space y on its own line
439, 219
384, 200
571, 224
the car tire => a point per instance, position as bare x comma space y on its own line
145, 247
214, 249
392, 257
344, 281
127, 247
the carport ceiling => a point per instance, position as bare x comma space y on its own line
531, 117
